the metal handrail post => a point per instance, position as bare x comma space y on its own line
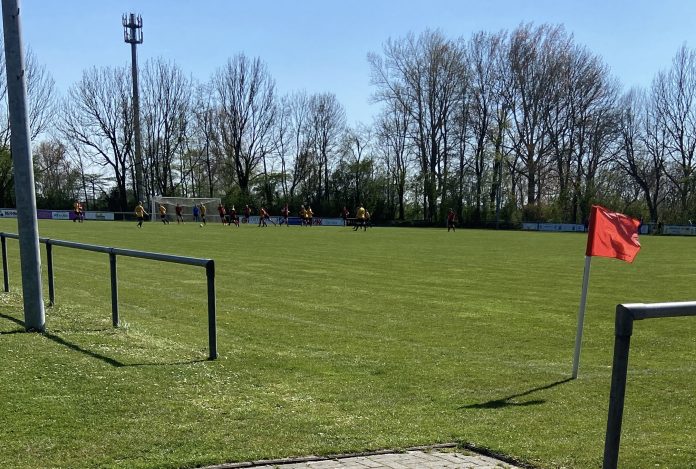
622, 343
51, 283
113, 253
114, 290
212, 327
626, 314
5, 273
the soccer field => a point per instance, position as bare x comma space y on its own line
334, 341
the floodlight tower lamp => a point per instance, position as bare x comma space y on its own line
132, 28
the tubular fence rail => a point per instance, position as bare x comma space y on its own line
209, 265
625, 315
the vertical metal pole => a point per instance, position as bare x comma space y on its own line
34, 315
136, 124
114, 290
51, 283
212, 326
5, 273
133, 35
622, 343
581, 316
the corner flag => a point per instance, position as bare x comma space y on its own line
612, 234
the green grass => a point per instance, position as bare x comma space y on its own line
332, 341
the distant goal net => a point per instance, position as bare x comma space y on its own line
187, 205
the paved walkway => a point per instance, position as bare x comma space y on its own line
412, 459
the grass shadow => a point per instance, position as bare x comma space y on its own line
108, 360
112, 361
183, 362
14, 331
13, 319
506, 401
77, 348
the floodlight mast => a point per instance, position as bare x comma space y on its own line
133, 35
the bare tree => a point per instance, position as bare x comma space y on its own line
392, 139
674, 92
166, 94
356, 145
245, 94
41, 99
581, 128
57, 182
643, 149
483, 54
97, 115
301, 141
530, 93
328, 122
423, 75
202, 154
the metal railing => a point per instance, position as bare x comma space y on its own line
625, 315
209, 265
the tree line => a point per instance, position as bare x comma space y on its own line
502, 127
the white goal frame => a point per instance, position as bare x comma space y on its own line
211, 205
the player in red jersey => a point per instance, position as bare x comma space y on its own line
285, 211
450, 220
179, 214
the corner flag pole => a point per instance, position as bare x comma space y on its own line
581, 316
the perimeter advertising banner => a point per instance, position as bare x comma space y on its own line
679, 230
8, 213
553, 227
99, 216
297, 221
59, 214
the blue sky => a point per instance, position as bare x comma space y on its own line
321, 46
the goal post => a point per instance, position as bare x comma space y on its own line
186, 203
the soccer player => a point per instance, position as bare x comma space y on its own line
310, 215
263, 215
344, 214
450, 220
204, 210
367, 219
140, 214
247, 213
221, 212
179, 214
81, 211
234, 217
302, 215
163, 214
77, 209
285, 211
196, 213
360, 219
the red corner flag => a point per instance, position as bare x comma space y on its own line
612, 234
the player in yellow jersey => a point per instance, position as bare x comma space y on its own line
140, 214
263, 215
204, 209
163, 214
360, 219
